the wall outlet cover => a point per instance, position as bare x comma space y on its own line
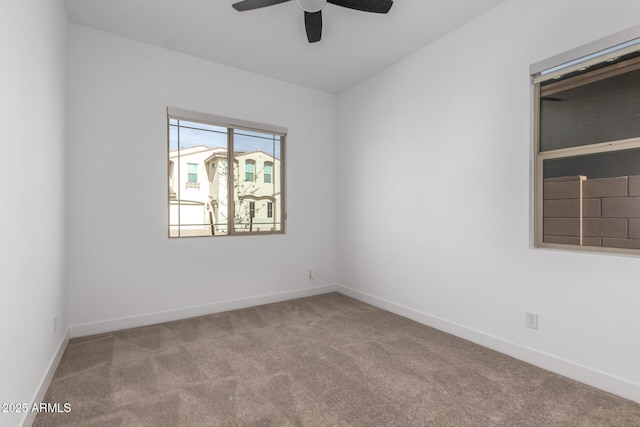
531, 320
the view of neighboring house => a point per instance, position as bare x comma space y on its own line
199, 189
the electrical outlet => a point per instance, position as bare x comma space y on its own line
55, 324
313, 273
532, 320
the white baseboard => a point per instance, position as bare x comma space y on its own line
93, 328
30, 416
584, 374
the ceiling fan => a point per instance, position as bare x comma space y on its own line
313, 10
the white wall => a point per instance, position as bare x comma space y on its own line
33, 75
123, 270
447, 132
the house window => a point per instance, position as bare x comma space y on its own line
587, 152
192, 172
227, 198
268, 168
249, 170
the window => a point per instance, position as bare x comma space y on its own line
249, 170
192, 174
587, 152
228, 198
268, 167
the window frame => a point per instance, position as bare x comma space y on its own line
232, 125
618, 44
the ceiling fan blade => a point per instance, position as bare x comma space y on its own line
375, 6
313, 23
255, 4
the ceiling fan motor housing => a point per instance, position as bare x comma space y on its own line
311, 5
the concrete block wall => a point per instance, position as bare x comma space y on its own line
592, 212
562, 211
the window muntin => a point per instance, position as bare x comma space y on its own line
587, 153
221, 203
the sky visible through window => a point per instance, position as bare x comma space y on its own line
193, 134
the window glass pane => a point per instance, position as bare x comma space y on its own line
197, 204
600, 111
593, 200
257, 149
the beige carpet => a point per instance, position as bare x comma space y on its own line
322, 361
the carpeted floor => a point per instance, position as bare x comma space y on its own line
321, 361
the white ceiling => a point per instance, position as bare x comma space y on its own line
272, 41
